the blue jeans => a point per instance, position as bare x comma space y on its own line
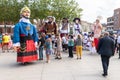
41, 52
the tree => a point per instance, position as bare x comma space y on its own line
60, 8
10, 9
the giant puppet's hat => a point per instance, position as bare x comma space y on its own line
53, 18
76, 19
25, 8
65, 19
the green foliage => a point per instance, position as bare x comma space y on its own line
10, 9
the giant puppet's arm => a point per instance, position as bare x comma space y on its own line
45, 27
73, 29
35, 36
59, 29
94, 27
68, 28
16, 37
100, 26
55, 26
81, 29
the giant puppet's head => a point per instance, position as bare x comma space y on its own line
25, 12
65, 20
51, 19
97, 21
77, 20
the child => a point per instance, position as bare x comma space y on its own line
48, 45
79, 46
70, 46
65, 42
91, 44
59, 47
55, 46
41, 43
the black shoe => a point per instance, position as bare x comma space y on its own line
104, 75
60, 58
70, 56
25, 63
41, 59
56, 57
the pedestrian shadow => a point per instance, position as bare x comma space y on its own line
91, 54
18, 65
93, 76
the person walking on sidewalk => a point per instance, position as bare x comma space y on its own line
106, 50
78, 44
41, 43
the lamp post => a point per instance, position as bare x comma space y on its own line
4, 26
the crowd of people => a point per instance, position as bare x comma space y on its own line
56, 41
57, 45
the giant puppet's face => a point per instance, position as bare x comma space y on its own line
76, 21
97, 21
50, 19
65, 21
26, 14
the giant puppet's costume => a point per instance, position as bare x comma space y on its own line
77, 29
97, 32
64, 28
50, 26
25, 37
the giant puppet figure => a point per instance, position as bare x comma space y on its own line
50, 26
97, 32
25, 38
77, 29
64, 28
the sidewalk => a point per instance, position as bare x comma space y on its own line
88, 68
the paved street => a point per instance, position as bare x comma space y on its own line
89, 68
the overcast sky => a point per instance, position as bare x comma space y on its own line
94, 8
